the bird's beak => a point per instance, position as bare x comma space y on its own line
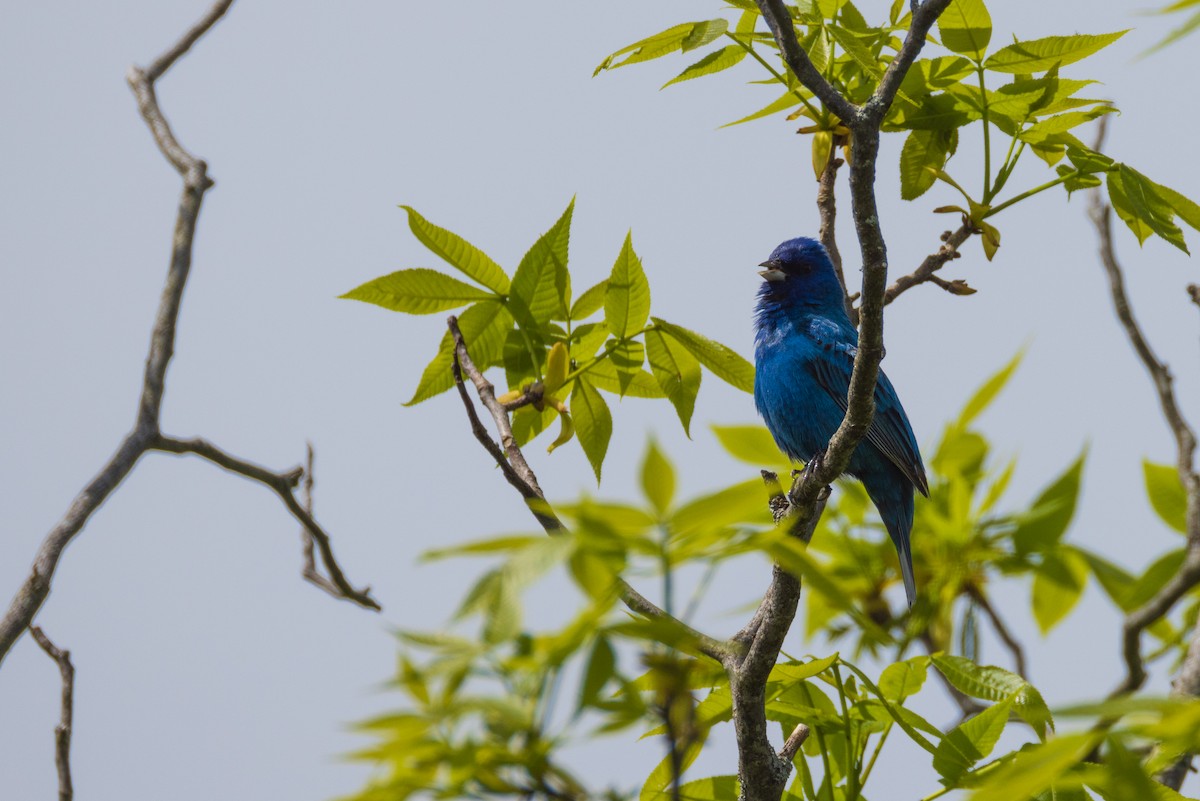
772, 273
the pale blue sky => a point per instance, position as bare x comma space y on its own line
206, 666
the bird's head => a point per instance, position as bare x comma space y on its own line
799, 275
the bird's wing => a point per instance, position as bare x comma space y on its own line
890, 431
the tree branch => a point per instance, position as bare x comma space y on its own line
145, 434
780, 22
827, 211
283, 484
951, 242
512, 463
62, 732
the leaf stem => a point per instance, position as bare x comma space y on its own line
875, 755
1031, 192
853, 789
987, 142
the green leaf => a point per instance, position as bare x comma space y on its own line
715, 788
484, 327
593, 422
1134, 197
930, 74
627, 358
640, 384
627, 300
703, 33
991, 683
1058, 584
854, 48
658, 783
541, 287
589, 302
966, 28
458, 252
1040, 55
1043, 526
903, 679
1186, 208
724, 362
601, 668
742, 503
923, 154
971, 741
677, 373
687, 36
714, 62
1114, 580
658, 478
940, 112
751, 444
987, 393
788, 100
419, 291
1166, 493
1035, 768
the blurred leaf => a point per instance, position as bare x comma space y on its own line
987, 393
741, 503
1058, 584
593, 422
971, 741
750, 443
966, 27
715, 788
1035, 768
658, 783
1048, 518
590, 302
458, 252
1166, 493
601, 667
627, 299
714, 62
677, 373
658, 478
484, 327
541, 287
419, 291
724, 362
1040, 55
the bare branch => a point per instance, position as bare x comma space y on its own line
283, 484
145, 434
517, 472
951, 242
923, 17
62, 732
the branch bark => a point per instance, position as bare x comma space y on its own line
62, 732
145, 434
925, 272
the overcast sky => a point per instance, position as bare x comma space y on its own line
206, 666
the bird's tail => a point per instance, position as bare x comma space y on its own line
898, 518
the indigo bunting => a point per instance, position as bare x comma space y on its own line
804, 353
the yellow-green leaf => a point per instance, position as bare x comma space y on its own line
419, 291
1040, 55
627, 300
458, 252
1058, 584
677, 373
593, 422
723, 361
1166, 494
658, 478
966, 27
714, 62
541, 286
484, 327
752, 444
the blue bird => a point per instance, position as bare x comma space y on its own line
803, 354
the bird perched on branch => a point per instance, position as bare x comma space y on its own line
804, 354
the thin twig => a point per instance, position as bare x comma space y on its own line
951, 242
284, 485
511, 461
827, 212
62, 732
1014, 647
